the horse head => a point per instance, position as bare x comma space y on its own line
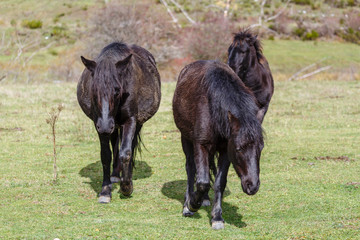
107, 92
244, 150
242, 52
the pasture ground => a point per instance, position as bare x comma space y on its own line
310, 181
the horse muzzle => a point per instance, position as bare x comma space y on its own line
105, 126
250, 187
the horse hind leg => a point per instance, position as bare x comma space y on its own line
190, 170
201, 159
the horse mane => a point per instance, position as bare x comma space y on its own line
245, 34
106, 71
227, 93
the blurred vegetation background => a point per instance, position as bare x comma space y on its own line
43, 40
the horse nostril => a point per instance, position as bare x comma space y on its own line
98, 127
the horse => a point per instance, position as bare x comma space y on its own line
217, 116
245, 57
119, 91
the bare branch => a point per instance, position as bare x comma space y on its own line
278, 14
184, 12
175, 20
226, 11
34, 53
262, 18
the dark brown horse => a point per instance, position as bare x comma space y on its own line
216, 113
119, 91
245, 57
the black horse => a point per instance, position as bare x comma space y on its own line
119, 91
245, 57
216, 113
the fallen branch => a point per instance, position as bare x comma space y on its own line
314, 72
294, 76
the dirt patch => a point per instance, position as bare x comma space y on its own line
337, 159
15, 129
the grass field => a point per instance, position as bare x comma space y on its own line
310, 181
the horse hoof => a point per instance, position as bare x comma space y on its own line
216, 225
206, 203
187, 212
114, 179
126, 190
104, 199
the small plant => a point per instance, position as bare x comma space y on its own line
313, 35
53, 117
32, 24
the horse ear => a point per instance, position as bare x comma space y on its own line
123, 62
234, 122
89, 64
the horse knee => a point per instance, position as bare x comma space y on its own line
125, 156
203, 187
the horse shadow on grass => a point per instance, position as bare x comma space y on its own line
94, 172
176, 190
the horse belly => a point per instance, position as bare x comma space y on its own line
83, 95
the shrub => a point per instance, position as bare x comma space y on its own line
209, 39
302, 2
32, 24
146, 25
313, 35
300, 31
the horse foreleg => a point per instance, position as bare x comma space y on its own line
115, 176
125, 155
105, 194
217, 221
190, 171
201, 157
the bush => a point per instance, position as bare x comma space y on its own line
313, 35
209, 39
300, 31
302, 2
146, 25
32, 24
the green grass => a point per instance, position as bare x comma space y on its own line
302, 195
288, 57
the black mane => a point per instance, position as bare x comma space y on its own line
106, 73
227, 95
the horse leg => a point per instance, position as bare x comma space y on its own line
190, 170
115, 176
206, 200
105, 194
125, 155
201, 157
217, 222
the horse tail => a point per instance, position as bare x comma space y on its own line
212, 167
137, 143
